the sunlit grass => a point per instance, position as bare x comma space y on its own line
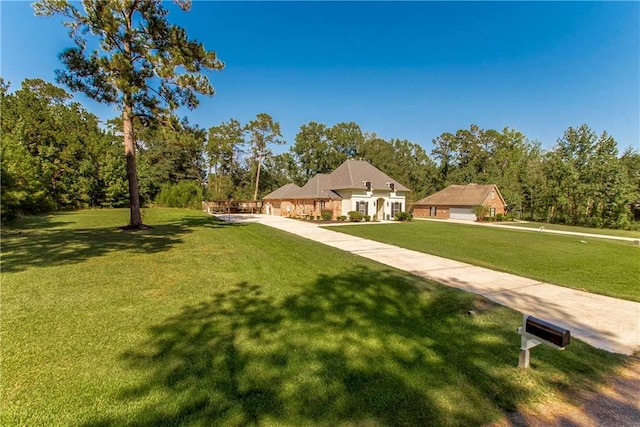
573, 228
607, 267
196, 322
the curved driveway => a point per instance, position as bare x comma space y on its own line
604, 322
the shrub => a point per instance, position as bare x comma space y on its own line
481, 212
403, 216
499, 217
184, 194
355, 216
595, 222
326, 214
342, 218
367, 218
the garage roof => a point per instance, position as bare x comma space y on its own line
461, 195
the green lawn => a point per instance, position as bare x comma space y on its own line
606, 267
573, 228
196, 322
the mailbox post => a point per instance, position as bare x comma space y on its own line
536, 331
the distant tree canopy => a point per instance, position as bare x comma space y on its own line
55, 155
582, 180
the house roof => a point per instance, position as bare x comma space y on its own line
461, 195
318, 187
283, 192
353, 174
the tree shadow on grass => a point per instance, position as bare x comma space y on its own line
363, 348
44, 243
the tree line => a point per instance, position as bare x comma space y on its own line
57, 155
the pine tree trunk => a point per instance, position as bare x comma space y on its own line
255, 193
135, 220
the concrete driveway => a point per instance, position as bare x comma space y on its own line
603, 322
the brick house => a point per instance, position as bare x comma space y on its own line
354, 186
457, 202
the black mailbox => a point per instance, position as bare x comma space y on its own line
547, 331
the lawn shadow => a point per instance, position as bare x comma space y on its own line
37, 222
359, 348
41, 242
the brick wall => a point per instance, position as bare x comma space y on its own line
497, 204
421, 211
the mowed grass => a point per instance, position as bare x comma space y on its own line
573, 228
197, 322
601, 266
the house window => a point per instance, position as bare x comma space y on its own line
322, 204
395, 208
492, 212
433, 211
392, 187
362, 207
368, 185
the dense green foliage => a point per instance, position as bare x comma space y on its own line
184, 194
194, 322
56, 156
607, 267
54, 153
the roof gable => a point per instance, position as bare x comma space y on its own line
352, 174
461, 195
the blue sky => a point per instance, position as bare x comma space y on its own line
408, 70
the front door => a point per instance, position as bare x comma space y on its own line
380, 209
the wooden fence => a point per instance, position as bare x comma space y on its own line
232, 206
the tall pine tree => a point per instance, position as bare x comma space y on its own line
143, 64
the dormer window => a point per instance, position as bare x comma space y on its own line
392, 187
368, 185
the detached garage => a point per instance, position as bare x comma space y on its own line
457, 202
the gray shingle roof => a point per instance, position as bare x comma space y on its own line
354, 173
318, 187
283, 192
460, 195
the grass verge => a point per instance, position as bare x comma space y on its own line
605, 267
573, 228
198, 322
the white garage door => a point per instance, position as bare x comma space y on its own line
461, 213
